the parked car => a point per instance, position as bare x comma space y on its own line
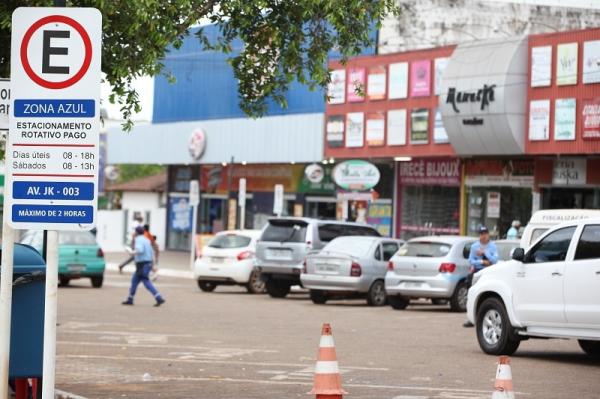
228, 259
285, 242
545, 219
506, 249
350, 266
79, 255
432, 267
549, 291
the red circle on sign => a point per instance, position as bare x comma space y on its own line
86, 61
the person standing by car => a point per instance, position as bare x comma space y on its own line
513, 232
143, 256
483, 254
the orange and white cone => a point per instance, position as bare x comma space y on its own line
503, 387
328, 382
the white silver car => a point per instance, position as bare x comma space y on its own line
432, 267
350, 266
228, 259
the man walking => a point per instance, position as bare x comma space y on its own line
144, 257
483, 254
137, 222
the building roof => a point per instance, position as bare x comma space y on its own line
154, 183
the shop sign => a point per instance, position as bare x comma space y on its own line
541, 66
355, 86
443, 172
258, 177
197, 144
317, 180
591, 119
376, 83
564, 119
505, 173
419, 126
354, 196
569, 172
314, 173
335, 131
355, 136
493, 204
591, 62
375, 129
336, 89
398, 80
380, 217
539, 120
566, 64
356, 175
420, 78
483, 96
396, 127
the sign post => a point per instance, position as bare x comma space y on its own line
194, 201
278, 200
242, 202
52, 147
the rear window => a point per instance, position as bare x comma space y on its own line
328, 232
285, 231
356, 247
424, 249
76, 238
229, 241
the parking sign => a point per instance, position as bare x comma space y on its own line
52, 153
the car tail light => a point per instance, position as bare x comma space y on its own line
100, 253
355, 270
391, 266
245, 255
447, 268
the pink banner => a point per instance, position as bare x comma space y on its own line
442, 172
591, 119
420, 78
356, 80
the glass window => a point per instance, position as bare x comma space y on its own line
589, 243
389, 249
354, 246
425, 249
76, 238
378, 253
552, 248
227, 241
285, 231
536, 233
328, 232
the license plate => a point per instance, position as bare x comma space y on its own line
76, 268
217, 260
279, 253
411, 284
327, 268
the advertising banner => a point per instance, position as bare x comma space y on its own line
375, 129
564, 119
376, 83
493, 204
566, 64
180, 214
591, 119
380, 217
420, 78
336, 90
396, 127
539, 120
439, 131
541, 66
440, 67
398, 82
355, 129
591, 62
335, 131
355, 85
419, 126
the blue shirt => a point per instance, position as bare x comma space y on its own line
512, 234
490, 252
143, 250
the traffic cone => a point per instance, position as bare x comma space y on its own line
503, 387
328, 382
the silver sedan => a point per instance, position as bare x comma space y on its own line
350, 266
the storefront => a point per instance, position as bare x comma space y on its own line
428, 197
497, 193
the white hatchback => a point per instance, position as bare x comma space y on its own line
228, 259
550, 290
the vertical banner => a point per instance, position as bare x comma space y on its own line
278, 200
539, 120
376, 83
591, 119
566, 64
355, 129
335, 131
420, 78
591, 62
396, 127
439, 131
564, 119
398, 81
440, 67
336, 90
541, 66
375, 129
419, 126
355, 85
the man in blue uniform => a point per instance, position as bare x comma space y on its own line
144, 257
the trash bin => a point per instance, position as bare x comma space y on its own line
27, 317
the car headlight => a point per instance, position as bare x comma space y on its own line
476, 278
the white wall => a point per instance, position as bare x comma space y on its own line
140, 201
110, 225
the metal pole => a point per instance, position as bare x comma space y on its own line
50, 310
193, 240
243, 217
8, 244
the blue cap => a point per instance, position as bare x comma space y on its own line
483, 229
139, 230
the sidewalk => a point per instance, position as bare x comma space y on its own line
170, 263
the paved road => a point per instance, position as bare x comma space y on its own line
232, 345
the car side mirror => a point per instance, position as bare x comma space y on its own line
518, 254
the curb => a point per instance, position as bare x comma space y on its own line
114, 267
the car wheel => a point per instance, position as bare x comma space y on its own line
206, 286
458, 301
494, 331
277, 289
64, 281
439, 302
398, 302
255, 284
318, 297
592, 348
377, 295
97, 281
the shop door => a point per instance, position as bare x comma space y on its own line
321, 208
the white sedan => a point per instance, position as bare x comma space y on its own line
228, 259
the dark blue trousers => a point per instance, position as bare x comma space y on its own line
141, 276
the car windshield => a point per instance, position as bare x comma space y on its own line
285, 231
229, 241
353, 246
424, 249
76, 238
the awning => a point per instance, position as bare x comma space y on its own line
483, 100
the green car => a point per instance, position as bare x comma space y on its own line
79, 255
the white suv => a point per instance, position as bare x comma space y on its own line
552, 290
